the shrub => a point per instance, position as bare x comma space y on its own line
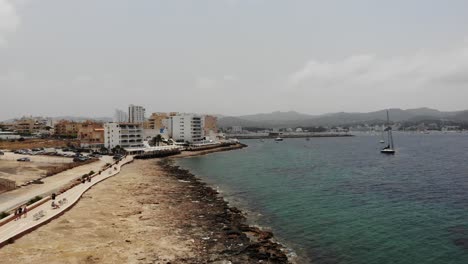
91, 173
3, 215
33, 200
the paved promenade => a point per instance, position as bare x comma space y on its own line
44, 213
14, 198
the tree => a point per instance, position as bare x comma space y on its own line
103, 149
156, 140
117, 149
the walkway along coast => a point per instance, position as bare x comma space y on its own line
41, 212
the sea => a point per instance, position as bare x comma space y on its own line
339, 200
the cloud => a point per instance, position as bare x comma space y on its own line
9, 19
229, 77
205, 83
416, 71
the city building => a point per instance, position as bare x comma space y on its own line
32, 125
187, 128
210, 125
66, 128
236, 129
120, 116
8, 135
91, 135
157, 121
125, 135
136, 114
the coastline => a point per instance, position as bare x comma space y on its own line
152, 212
244, 243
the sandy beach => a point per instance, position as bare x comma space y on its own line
152, 212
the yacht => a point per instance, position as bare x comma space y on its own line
390, 148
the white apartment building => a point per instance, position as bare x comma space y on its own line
136, 114
8, 135
120, 116
125, 135
187, 127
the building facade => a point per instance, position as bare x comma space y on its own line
210, 124
120, 116
157, 121
91, 135
125, 135
65, 128
136, 114
8, 135
32, 125
187, 128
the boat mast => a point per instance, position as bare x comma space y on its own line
389, 131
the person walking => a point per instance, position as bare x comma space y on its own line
16, 214
25, 211
20, 211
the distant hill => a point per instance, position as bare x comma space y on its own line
294, 119
276, 116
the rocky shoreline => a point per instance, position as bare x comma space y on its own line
230, 237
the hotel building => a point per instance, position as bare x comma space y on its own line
120, 116
187, 128
125, 135
136, 114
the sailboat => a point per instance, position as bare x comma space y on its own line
382, 140
389, 149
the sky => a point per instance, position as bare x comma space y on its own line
231, 57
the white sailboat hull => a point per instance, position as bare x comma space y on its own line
387, 151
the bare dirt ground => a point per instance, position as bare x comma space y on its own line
22, 172
37, 143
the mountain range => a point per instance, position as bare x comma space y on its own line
295, 119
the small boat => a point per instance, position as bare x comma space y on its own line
262, 140
278, 139
382, 140
389, 149
307, 138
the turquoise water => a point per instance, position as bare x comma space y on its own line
338, 200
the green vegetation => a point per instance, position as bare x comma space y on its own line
156, 140
33, 200
3, 215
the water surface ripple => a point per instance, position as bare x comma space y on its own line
338, 200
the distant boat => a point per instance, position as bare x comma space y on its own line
389, 149
382, 140
262, 140
307, 138
278, 139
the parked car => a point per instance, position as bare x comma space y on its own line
80, 159
23, 159
1, 153
117, 157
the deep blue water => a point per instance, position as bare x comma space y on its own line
338, 200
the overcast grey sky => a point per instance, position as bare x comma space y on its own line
88, 57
